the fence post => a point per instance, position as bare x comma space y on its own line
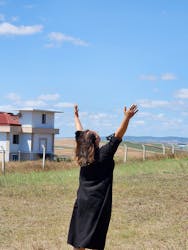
125, 153
19, 155
144, 152
3, 160
163, 146
173, 149
43, 156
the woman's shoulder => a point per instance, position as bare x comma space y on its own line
110, 147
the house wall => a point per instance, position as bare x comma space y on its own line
32, 134
34, 119
25, 143
3, 140
38, 138
26, 119
4, 143
37, 120
13, 147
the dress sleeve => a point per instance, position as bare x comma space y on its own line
109, 149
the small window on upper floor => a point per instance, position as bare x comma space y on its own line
43, 118
15, 139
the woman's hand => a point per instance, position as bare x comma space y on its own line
125, 122
78, 124
76, 110
131, 111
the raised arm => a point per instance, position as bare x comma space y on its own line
128, 114
78, 124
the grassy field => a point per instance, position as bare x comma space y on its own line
150, 206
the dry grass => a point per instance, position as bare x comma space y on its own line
150, 206
36, 166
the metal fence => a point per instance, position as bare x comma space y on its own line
130, 151
126, 151
147, 150
22, 156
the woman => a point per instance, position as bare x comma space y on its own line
92, 208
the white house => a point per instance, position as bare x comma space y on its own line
22, 135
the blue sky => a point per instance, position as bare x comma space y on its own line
102, 55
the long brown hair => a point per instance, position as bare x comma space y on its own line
85, 152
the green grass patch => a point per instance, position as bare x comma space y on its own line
150, 207
155, 166
39, 178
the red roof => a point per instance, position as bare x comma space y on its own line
9, 119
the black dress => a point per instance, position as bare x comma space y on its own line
92, 208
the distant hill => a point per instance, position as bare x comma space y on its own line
148, 139
153, 139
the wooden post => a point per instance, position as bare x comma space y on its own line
163, 147
173, 149
19, 158
144, 152
125, 154
43, 156
3, 160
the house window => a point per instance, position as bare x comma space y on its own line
15, 139
43, 118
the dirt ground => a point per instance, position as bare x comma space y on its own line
66, 147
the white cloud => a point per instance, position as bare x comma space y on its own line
10, 29
151, 116
17, 100
184, 113
160, 116
143, 114
83, 114
98, 116
148, 77
14, 18
182, 93
152, 103
49, 97
163, 77
67, 124
106, 124
57, 38
13, 97
173, 123
139, 122
33, 103
29, 6
64, 105
39, 101
168, 77
7, 108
